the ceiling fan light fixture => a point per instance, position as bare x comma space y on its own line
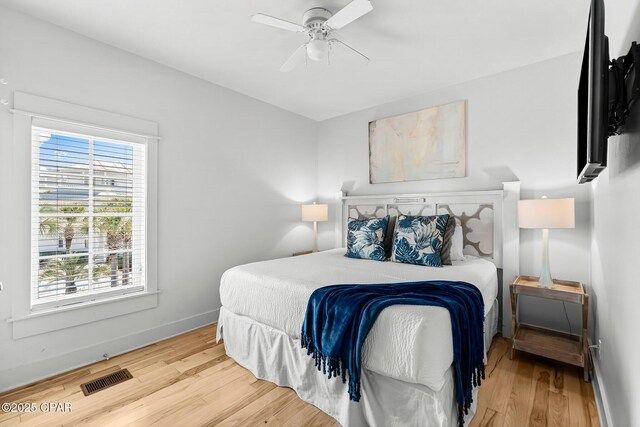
317, 49
319, 25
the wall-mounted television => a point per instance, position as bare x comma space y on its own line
593, 98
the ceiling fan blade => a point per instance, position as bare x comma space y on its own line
298, 55
349, 13
276, 22
362, 55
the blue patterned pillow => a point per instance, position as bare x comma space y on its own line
365, 238
418, 239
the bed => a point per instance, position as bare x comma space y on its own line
407, 375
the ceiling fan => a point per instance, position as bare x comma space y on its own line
318, 23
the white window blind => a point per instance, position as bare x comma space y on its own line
88, 217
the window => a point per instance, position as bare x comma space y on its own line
88, 217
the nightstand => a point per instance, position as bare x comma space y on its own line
547, 343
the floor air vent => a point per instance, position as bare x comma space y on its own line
105, 382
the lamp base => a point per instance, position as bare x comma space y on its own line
315, 237
545, 275
545, 279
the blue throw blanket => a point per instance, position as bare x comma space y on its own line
339, 317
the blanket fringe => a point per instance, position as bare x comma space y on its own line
463, 407
335, 367
331, 366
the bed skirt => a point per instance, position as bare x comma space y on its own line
272, 355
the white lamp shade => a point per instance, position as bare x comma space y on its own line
315, 212
546, 213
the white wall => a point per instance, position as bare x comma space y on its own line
521, 125
232, 173
615, 246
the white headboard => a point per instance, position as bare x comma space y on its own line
488, 219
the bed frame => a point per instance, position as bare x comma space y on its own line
488, 219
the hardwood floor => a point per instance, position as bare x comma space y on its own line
189, 381
532, 391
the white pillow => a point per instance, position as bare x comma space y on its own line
457, 244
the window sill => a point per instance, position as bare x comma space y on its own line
48, 320
100, 297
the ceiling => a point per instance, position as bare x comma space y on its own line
415, 46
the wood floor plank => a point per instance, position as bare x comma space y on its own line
302, 416
165, 407
127, 358
557, 383
154, 407
9, 418
320, 420
42, 388
152, 359
505, 374
189, 380
578, 411
489, 418
558, 410
540, 409
199, 359
589, 402
292, 407
518, 405
498, 351
243, 402
261, 409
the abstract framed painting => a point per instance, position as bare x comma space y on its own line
425, 144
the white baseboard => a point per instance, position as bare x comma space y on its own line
26, 374
602, 403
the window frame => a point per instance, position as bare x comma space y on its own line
16, 225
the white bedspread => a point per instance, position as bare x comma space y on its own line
408, 343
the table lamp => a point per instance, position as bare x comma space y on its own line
315, 213
545, 214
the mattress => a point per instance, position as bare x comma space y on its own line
407, 343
